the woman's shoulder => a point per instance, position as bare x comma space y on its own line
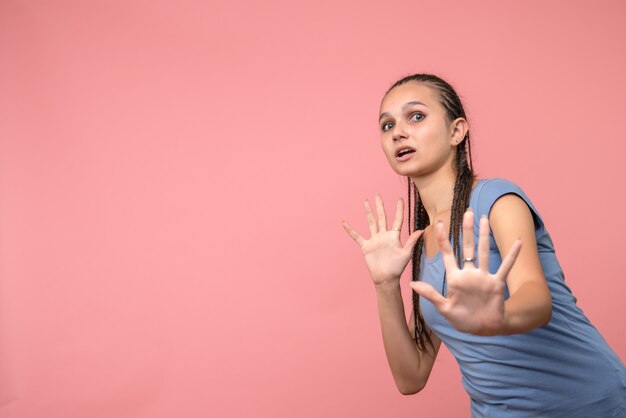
489, 190
496, 183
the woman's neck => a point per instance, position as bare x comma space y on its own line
436, 192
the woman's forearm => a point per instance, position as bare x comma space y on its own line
402, 353
528, 308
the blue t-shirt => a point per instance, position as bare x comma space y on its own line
563, 369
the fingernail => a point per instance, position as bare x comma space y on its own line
469, 209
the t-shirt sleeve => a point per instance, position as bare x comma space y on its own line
494, 189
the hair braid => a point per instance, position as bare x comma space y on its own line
460, 201
421, 332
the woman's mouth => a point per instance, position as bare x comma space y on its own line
405, 154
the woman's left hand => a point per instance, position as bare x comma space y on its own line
475, 302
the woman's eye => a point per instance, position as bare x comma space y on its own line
412, 117
386, 126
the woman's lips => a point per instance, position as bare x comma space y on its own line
406, 156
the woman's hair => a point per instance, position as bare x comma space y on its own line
462, 188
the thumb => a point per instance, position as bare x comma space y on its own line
412, 239
429, 292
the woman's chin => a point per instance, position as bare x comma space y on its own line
405, 169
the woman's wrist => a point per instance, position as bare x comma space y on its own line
387, 285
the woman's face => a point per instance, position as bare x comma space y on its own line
412, 117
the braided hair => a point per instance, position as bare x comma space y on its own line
462, 188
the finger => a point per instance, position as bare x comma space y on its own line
359, 239
382, 217
397, 221
426, 290
370, 218
412, 239
508, 261
446, 249
483, 244
468, 238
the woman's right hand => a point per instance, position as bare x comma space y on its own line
384, 254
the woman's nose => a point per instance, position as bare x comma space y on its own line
399, 132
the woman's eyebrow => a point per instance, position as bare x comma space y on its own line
404, 106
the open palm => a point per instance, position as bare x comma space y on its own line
385, 256
475, 301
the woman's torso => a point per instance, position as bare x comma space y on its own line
564, 368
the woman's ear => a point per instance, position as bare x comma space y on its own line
458, 131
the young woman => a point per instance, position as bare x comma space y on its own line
486, 279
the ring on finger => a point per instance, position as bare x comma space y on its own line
467, 260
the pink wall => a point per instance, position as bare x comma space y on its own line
173, 176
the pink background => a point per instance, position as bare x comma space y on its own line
174, 176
